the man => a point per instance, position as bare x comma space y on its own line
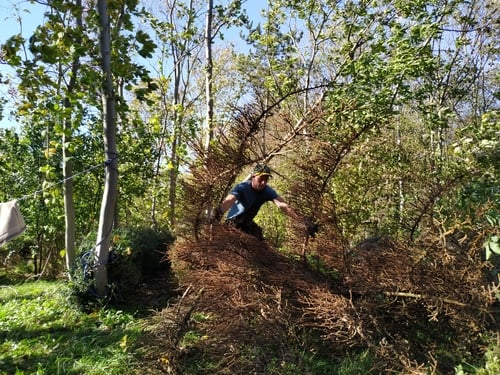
246, 198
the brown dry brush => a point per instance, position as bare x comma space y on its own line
214, 171
403, 300
252, 294
410, 304
400, 306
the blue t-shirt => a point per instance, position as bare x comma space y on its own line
249, 201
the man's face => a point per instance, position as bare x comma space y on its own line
259, 182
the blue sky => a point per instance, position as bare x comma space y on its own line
32, 15
12, 10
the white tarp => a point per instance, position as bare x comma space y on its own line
11, 221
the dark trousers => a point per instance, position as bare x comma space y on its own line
250, 228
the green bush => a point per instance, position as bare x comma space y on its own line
145, 248
136, 254
491, 364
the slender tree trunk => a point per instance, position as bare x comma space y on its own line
173, 174
209, 100
180, 56
173, 171
111, 178
69, 208
401, 205
209, 117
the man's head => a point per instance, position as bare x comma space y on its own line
260, 176
261, 170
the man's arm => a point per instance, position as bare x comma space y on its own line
311, 227
216, 213
227, 203
286, 208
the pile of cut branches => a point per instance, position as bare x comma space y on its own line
250, 305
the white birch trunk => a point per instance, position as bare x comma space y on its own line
111, 174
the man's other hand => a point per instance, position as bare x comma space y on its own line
214, 215
311, 227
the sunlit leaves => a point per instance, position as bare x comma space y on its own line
481, 143
492, 243
10, 50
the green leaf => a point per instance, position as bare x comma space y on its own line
148, 46
493, 219
492, 246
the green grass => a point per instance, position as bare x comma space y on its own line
42, 332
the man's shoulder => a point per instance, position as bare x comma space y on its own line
244, 184
270, 192
241, 186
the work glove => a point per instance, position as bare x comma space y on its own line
214, 215
311, 227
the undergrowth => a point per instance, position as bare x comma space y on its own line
42, 332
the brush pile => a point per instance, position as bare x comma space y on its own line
249, 306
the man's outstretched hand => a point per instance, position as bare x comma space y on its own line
311, 227
214, 215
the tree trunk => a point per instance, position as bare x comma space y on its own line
69, 207
209, 117
111, 175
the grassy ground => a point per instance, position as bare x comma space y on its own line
42, 332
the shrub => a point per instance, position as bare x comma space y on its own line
135, 255
144, 247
